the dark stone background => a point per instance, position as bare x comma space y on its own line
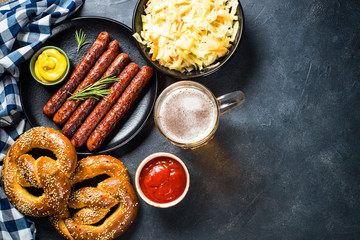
283, 165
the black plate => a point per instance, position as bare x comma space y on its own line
34, 95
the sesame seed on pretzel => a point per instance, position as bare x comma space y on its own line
21, 170
94, 203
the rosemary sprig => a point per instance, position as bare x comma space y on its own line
96, 90
80, 39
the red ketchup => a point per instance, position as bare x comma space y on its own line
162, 180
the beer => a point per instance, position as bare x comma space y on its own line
187, 113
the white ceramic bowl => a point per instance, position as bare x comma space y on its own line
137, 178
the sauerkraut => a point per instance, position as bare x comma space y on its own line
186, 35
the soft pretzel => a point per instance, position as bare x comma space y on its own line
21, 170
95, 203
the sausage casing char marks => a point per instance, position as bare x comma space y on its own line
78, 74
104, 105
86, 106
94, 75
119, 109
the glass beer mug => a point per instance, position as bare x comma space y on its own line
187, 113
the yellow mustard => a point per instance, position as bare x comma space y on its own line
50, 65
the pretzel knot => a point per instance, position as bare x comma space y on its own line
96, 203
21, 170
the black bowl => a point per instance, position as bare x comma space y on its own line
137, 27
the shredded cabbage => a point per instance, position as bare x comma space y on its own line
186, 35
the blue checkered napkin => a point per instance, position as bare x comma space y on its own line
13, 225
24, 26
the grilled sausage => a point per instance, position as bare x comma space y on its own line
94, 75
78, 74
104, 105
86, 106
119, 109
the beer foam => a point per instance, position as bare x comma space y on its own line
187, 115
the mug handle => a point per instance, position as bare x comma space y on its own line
230, 100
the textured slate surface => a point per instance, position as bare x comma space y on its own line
285, 164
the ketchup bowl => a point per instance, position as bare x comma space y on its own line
162, 180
